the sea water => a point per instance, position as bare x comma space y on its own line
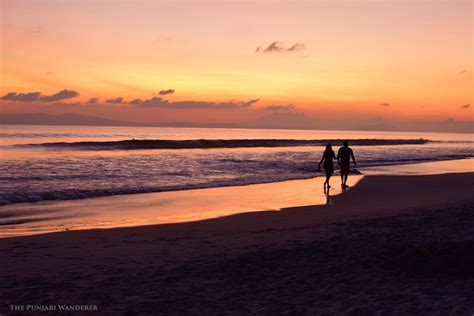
42, 163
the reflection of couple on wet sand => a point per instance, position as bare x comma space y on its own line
343, 157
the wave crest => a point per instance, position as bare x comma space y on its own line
217, 143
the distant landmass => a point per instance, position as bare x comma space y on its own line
273, 122
63, 119
87, 120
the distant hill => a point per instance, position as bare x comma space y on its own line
377, 127
87, 120
63, 119
298, 121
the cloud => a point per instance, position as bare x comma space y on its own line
165, 92
61, 95
162, 103
461, 72
280, 107
384, 104
250, 102
296, 47
25, 97
155, 101
273, 47
464, 107
277, 47
37, 96
118, 100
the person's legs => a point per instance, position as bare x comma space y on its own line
328, 176
344, 174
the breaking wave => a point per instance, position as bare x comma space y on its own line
217, 143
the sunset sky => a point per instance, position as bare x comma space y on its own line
239, 61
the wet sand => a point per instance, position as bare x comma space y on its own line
390, 245
161, 207
192, 205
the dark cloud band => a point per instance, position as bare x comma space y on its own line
161, 103
37, 96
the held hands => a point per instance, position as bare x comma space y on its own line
319, 168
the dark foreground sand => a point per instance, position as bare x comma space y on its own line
389, 246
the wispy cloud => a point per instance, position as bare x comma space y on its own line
296, 47
93, 101
162, 103
37, 96
461, 72
165, 92
277, 47
384, 104
465, 107
280, 107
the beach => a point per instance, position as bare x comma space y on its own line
389, 245
268, 157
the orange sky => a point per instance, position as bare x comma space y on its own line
396, 60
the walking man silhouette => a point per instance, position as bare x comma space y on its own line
344, 156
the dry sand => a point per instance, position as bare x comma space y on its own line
390, 245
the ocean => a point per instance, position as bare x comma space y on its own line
45, 163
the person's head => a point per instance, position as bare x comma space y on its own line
328, 147
345, 143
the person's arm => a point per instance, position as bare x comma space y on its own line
353, 158
320, 162
339, 156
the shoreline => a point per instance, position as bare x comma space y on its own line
383, 202
352, 255
161, 208
191, 205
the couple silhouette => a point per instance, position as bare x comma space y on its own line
343, 158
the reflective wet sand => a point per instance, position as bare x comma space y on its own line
190, 205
